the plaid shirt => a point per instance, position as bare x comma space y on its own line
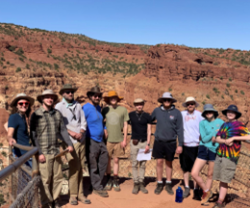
45, 128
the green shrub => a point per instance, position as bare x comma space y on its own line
27, 66
21, 59
12, 48
236, 91
230, 79
18, 69
49, 50
56, 66
208, 97
2, 59
20, 51
242, 92
231, 96
221, 78
228, 85
216, 90
169, 89
222, 96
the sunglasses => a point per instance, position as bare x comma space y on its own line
68, 92
188, 104
23, 103
167, 100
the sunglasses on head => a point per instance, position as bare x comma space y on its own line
68, 92
188, 104
23, 103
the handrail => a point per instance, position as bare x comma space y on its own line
15, 165
22, 147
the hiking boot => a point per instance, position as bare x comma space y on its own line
186, 192
169, 189
102, 193
218, 205
116, 185
57, 204
84, 200
136, 188
73, 200
109, 185
205, 197
159, 188
142, 188
197, 195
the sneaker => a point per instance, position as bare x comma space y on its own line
218, 205
197, 195
205, 197
109, 185
116, 185
136, 188
169, 189
142, 188
159, 188
186, 192
102, 193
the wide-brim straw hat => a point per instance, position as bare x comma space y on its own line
139, 100
22, 96
94, 90
209, 107
190, 99
166, 95
47, 92
233, 108
67, 87
112, 94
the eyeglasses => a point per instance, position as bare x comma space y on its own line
68, 92
23, 103
188, 104
167, 100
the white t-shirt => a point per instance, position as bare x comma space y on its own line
191, 127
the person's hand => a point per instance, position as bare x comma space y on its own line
12, 141
146, 149
42, 159
229, 142
123, 144
106, 134
78, 136
70, 148
213, 139
178, 150
73, 134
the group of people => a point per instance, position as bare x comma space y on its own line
100, 134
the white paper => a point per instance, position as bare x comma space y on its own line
141, 156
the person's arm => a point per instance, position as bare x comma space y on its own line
83, 122
12, 125
219, 140
6, 126
125, 132
204, 136
180, 132
153, 116
148, 138
245, 136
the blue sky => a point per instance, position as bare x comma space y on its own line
195, 23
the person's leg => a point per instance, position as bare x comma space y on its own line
133, 155
102, 160
223, 192
210, 175
142, 167
198, 165
159, 169
57, 178
169, 169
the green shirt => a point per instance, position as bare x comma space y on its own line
115, 118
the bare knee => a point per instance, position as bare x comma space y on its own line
194, 174
159, 163
210, 175
116, 160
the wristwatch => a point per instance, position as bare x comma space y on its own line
148, 144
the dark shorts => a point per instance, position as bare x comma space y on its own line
164, 150
205, 154
188, 157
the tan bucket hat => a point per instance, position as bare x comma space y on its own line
190, 99
67, 87
22, 96
139, 100
47, 92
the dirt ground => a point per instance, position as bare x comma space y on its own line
125, 199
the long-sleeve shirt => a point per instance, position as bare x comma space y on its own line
45, 129
169, 124
208, 130
73, 117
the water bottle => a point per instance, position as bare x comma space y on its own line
178, 196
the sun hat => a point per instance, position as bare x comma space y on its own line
166, 95
139, 100
190, 99
112, 94
67, 87
209, 107
22, 96
233, 108
94, 90
47, 92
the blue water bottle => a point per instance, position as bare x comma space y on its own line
179, 193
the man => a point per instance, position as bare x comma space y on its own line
169, 126
76, 124
116, 120
46, 126
191, 121
97, 153
140, 139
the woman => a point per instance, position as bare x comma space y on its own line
229, 137
17, 125
207, 150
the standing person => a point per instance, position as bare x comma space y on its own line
191, 121
46, 126
207, 150
17, 125
97, 153
229, 137
75, 122
140, 139
116, 120
169, 126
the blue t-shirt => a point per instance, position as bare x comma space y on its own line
94, 122
21, 135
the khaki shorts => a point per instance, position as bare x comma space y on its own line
224, 169
115, 149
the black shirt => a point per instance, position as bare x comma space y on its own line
139, 124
